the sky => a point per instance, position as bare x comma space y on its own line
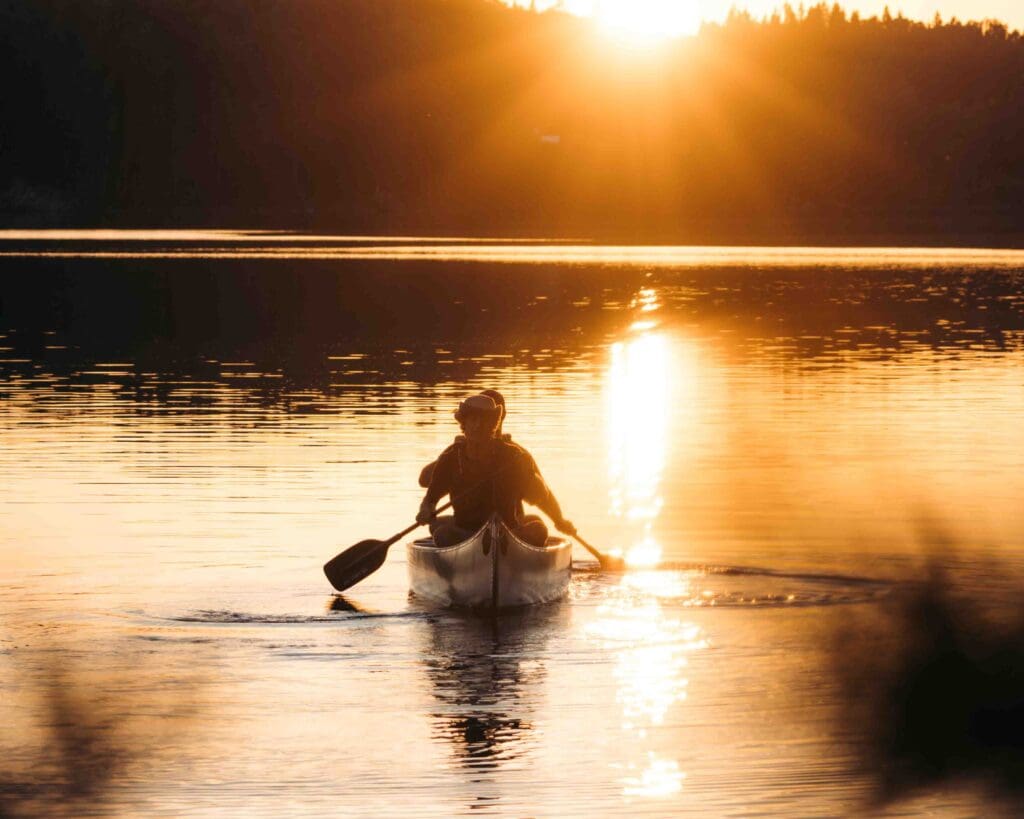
681, 16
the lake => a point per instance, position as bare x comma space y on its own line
779, 439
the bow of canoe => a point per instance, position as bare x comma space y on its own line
493, 569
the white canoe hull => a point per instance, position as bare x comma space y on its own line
493, 570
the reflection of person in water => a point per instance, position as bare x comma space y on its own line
486, 695
485, 476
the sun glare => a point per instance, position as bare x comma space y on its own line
648, 20
641, 21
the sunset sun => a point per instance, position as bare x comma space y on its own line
640, 21
648, 20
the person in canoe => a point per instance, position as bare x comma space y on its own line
428, 471
485, 475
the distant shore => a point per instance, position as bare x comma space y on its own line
813, 127
736, 234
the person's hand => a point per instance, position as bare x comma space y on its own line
426, 513
565, 527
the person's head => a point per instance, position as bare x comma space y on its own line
479, 417
498, 399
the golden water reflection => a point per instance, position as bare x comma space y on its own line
639, 401
659, 584
650, 650
659, 777
277, 245
650, 647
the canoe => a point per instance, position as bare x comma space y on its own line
493, 569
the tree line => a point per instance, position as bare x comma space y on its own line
470, 116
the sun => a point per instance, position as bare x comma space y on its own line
648, 20
641, 21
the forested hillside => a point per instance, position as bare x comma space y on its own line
468, 116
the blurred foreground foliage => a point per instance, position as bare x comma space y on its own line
85, 732
933, 689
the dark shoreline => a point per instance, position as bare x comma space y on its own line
1002, 237
442, 117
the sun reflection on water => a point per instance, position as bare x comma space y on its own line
661, 777
650, 651
638, 416
659, 584
650, 646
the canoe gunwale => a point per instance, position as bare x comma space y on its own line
428, 542
475, 573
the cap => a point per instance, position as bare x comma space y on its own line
475, 404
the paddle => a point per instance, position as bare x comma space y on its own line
608, 563
349, 567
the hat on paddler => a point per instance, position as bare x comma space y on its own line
481, 405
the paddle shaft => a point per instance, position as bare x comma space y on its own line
595, 552
414, 526
606, 561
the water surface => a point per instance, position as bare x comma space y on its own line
193, 422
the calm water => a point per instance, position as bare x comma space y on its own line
193, 422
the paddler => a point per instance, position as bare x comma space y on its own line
485, 474
428, 471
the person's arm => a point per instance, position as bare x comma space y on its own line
537, 492
427, 473
439, 486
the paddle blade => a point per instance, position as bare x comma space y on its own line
607, 562
611, 563
348, 568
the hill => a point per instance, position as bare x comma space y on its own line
466, 116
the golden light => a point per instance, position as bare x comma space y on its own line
650, 658
638, 418
648, 20
660, 778
659, 584
641, 21
651, 652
